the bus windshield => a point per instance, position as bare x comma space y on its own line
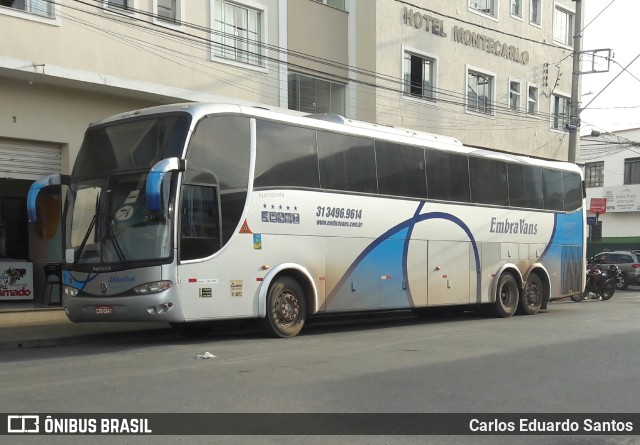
106, 217
137, 143
107, 222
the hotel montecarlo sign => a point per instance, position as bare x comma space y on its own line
465, 37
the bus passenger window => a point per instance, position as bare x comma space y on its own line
488, 181
401, 170
200, 225
346, 163
286, 156
552, 183
448, 176
572, 188
525, 186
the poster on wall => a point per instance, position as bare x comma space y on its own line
623, 198
16, 280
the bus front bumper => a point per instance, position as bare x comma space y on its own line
160, 307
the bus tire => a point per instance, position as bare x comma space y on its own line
286, 308
507, 296
532, 296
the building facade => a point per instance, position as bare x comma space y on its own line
492, 73
612, 178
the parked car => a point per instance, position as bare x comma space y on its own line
627, 260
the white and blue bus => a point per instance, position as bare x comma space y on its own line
199, 212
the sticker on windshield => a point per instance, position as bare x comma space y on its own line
133, 196
124, 213
69, 255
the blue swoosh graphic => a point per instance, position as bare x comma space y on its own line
384, 250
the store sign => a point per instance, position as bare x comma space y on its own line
465, 37
16, 281
598, 205
623, 198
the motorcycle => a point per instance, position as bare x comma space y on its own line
600, 282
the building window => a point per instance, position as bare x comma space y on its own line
535, 15
559, 112
516, 8
632, 171
45, 8
169, 10
419, 75
479, 92
514, 95
335, 3
563, 26
311, 95
532, 104
484, 6
237, 33
127, 5
594, 174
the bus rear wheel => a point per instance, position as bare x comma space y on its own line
531, 299
286, 308
507, 296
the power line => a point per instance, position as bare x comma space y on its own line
387, 90
598, 15
612, 80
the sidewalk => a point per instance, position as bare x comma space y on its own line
43, 327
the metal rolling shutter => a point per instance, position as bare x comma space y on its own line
28, 160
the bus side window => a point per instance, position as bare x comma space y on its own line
448, 176
572, 188
552, 183
488, 179
347, 163
525, 186
200, 225
221, 147
401, 170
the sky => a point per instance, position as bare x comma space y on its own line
618, 106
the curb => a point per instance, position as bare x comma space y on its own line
20, 318
75, 339
47, 327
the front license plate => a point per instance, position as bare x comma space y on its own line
104, 310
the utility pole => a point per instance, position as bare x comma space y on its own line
574, 107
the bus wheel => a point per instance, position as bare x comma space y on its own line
506, 296
286, 308
532, 296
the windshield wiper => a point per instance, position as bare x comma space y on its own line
111, 234
116, 244
84, 240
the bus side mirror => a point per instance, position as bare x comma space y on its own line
35, 188
154, 180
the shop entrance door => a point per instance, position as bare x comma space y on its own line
14, 218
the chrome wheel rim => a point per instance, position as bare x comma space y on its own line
286, 308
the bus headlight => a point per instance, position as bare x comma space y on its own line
70, 291
152, 288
